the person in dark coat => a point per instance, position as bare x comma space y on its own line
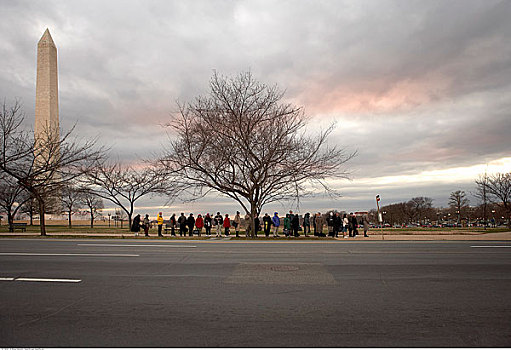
190, 222
182, 224
295, 224
135, 226
173, 223
219, 223
208, 223
354, 224
330, 224
350, 224
257, 224
337, 224
306, 224
315, 224
267, 224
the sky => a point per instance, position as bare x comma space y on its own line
420, 89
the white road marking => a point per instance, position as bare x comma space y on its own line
6, 278
138, 245
69, 254
64, 280
490, 246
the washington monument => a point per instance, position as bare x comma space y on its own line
47, 89
46, 128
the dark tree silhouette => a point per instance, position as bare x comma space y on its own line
42, 163
241, 140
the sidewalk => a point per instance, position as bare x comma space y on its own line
373, 236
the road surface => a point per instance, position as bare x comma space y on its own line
219, 293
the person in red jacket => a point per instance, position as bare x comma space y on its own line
199, 223
227, 224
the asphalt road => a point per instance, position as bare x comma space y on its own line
137, 293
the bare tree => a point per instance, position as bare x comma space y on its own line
420, 206
44, 163
482, 195
72, 198
94, 204
459, 202
123, 185
498, 189
12, 197
30, 208
244, 142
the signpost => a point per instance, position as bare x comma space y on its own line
380, 217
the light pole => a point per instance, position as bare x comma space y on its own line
493, 218
109, 219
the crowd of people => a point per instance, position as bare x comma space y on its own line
336, 224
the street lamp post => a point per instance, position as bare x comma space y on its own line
109, 219
493, 218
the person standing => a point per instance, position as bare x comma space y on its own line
320, 223
350, 224
315, 224
147, 223
365, 222
248, 222
257, 224
287, 225
199, 223
191, 224
159, 219
135, 226
237, 223
306, 224
337, 224
227, 225
267, 224
219, 223
345, 225
276, 223
354, 224
295, 225
208, 223
173, 223
182, 224
330, 224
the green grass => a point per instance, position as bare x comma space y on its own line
84, 230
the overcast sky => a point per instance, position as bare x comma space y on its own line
421, 89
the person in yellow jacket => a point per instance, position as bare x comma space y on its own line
159, 219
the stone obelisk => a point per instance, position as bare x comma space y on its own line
47, 88
46, 128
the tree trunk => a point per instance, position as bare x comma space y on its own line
91, 217
42, 211
10, 221
129, 220
69, 218
253, 211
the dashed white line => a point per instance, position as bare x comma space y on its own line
33, 279
69, 254
490, 246
63, 280
138, 245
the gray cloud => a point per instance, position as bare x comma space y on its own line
414, 85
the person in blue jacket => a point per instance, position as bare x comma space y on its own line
276, 223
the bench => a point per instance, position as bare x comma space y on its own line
168, 227
19, 225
